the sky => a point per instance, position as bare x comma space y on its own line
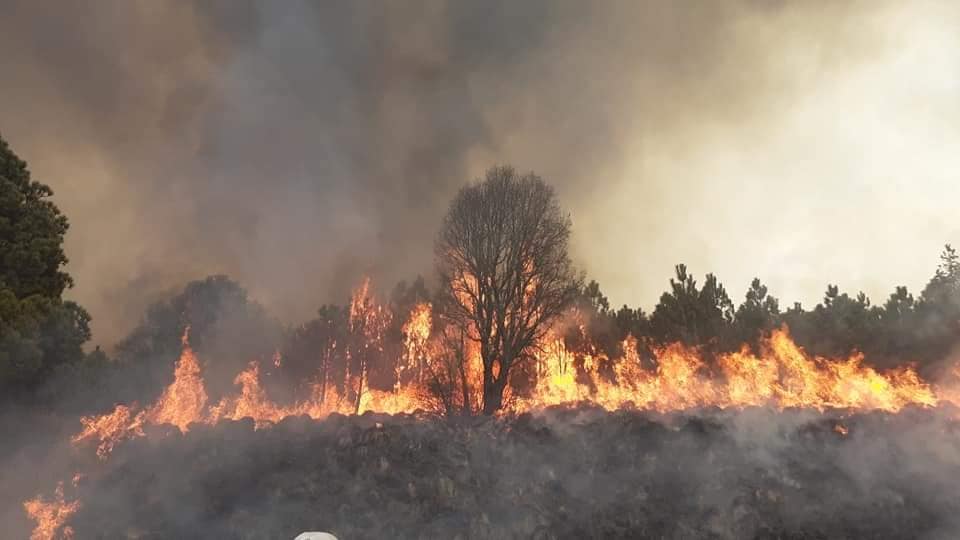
298, 146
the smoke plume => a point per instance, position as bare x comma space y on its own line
295, 146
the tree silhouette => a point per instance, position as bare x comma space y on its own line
314, 353
691, 315
504, 269
944, 288
227, 329
594, 298
631, 322
938, 311
758, 314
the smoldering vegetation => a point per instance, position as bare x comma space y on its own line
563, 473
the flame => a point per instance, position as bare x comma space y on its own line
111, 428
367, 317
781, 376
416, 333
442, 371
183, 401
51, 515
251, 403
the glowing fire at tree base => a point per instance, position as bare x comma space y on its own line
781, 376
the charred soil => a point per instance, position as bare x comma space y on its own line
561, 473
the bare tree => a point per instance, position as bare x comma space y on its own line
504, 268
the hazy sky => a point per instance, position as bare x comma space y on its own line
298, 145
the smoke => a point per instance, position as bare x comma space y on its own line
296, 146
559, 474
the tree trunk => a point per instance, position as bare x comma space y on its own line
325, 363
493, 393
363, 372
492, 398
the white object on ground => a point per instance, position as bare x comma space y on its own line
315, 536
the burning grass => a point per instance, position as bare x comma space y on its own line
782, 375
763, 442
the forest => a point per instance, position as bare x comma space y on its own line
816, 439
479, 270
43, 360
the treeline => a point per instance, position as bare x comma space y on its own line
904, 328
228, 330
42, 336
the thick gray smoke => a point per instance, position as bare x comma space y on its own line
298, 145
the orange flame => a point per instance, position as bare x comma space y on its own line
51, 516
181, 404
252, 402
111, 428
779, 374
416, 333
183, 401
782, 376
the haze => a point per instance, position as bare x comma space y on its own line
297, 146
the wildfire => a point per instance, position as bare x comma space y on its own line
252, 402
184, 400
51, 516
440, 369
181, 404
109, 429
416, 333
781, 376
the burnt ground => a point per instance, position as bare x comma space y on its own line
563, 473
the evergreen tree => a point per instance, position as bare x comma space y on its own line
39, 331
691, 315
758, 314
